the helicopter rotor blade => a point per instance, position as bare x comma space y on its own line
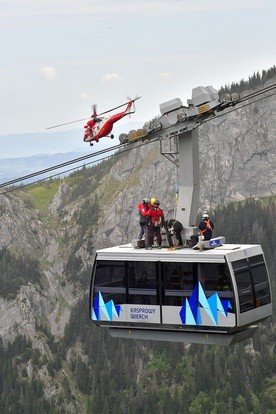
67, 123
94, 113
119, 106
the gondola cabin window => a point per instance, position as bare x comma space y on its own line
165, 283
110, 281
260, 280
127, 282
142, 283
180, 279
252, 282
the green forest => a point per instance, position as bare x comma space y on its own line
107, 375
256, 80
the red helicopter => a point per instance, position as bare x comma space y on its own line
97, 127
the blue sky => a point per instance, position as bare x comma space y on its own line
58, 57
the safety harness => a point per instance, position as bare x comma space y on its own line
208, 226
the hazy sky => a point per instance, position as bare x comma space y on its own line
58, 57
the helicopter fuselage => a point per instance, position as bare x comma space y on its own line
97, 128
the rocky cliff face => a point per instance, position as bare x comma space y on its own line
238, 154
25, 233
237, 160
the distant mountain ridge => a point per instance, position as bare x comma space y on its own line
23, 154
27, 144
12, 168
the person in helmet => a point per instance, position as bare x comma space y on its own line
206, 226
143, 208
173, 227
155, 220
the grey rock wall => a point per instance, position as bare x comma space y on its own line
237, 161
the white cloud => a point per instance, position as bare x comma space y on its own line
165, 74
49, 72
109, 77
85, 95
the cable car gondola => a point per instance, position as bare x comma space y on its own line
214, 296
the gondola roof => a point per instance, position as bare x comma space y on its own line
128, 252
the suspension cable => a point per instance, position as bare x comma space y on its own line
125, 147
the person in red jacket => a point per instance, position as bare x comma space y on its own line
155, 220
143, 208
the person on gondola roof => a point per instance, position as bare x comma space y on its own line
206, 226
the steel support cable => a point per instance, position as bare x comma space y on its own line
256, 93
233, 107
236, 108
119, 146
53, 175
64, 164
76, 168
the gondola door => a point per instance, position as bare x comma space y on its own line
143, 299
197, 294
178, 281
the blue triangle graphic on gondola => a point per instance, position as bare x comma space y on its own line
97, 301
190, 319
222, 305
112, 309
191, 311
193, 303
109, 309
182, 312
226, 305
118, 309
94, 317
213, 303
203, 301
219, 304
96, 308
199, 320
99, 306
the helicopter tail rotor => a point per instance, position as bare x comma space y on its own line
133, 102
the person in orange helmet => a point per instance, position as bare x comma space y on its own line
155, 220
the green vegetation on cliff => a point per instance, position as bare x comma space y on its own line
16, 271
104, 374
